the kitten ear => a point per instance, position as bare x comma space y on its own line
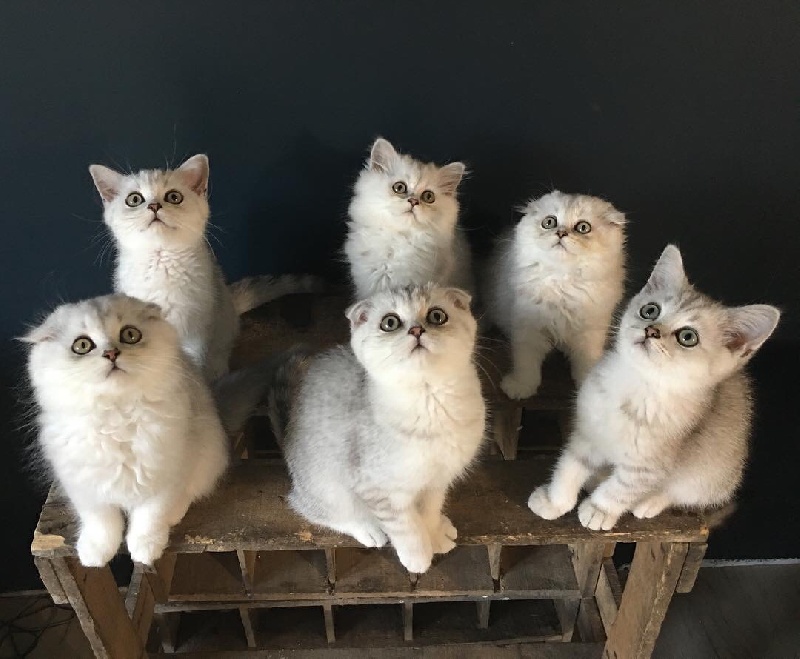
358, 313
194, 173
668, 271
381, 156
153, 312
106, 180
46, 331
748, 327
458, 297
613, 216
450, 176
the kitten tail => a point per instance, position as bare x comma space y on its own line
251, 292
716, 517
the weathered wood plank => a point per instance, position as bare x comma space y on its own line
542, 571
694, 558
465, 570
589, 625
484, 607
609, 594
247, 561
50, 580
210, 575
408, 621
654, 573
587, 558
567, 610
330, 629
248, 624
168, 624
140, 602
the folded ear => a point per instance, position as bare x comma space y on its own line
46, 331
358, 313
748, 327
194, 173
381, 156
450, 176
668, 273
106, 180
614, 216
460, 298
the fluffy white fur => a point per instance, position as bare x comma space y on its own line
136, 435
380, 431
397, 239
163, 257
658, 423
556, 287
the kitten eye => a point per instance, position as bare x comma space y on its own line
173, 197
391, 322
428, 197
130, 334
687, 337
134, 199
583, 227
436, 316
83, 345
650, 311
399, 188
549, 222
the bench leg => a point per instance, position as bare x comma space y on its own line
506, 422
654, 574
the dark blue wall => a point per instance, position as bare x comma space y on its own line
684, 114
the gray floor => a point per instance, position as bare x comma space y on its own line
734, 612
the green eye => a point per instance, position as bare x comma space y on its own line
83, 345
650, 311
549, 222
687, 337
130, 335
399, 188
428, 197
436, 316
134, 199
173, 197
391, 322
583, 227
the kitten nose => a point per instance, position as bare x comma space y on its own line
561, 233
413, 201
111, 354
652, 332
155, 207
416, 331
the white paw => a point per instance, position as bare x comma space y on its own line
369, 536
517, 387
444, 537
649, 508
595, 518
147, 548
541, 504
416, 562
95, 551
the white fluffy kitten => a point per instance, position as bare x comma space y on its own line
403, 224
125, 421
663, 419
554, 280
378, 432
158, 219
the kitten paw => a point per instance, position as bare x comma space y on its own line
516, 387
444, 538
541, 504
369, 536
650, 507
147, 549
95, 552
595, 518
416, 562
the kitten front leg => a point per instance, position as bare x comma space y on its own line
409, 536
651, 506
560, 495
616, 495
443, 533
101, 529
529, 347
149, 525
584, 351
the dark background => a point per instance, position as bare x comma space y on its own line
684, 114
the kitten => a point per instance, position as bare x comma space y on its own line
378, 431
158, 219
125, 422
554, 280
403, 224
667, 410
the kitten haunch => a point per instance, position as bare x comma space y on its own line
554, 280
126, 423
403, 221
663, 419
378, 431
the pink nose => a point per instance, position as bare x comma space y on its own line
561, 233
416, 331
155, 207
652, 332
111, 354
413, 201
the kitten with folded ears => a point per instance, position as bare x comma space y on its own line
663, 419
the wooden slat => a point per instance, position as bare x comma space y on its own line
290, 574
609, 594
50, 580
589, 624
587, 558
694, 558
140, 602
651, 583
168, 624
567, 610
465, 570
247, 561
369, 572
506, 420
484, 607
494, 552
543, 571
408, 621
248, 624
330, 564
211, 575
330, 630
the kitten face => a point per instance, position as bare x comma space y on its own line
106, 345
571, 226
397, 191
413, 333
155, 208
673, 331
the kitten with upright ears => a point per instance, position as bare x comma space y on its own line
554, 280
126, 422
379, 431
663, 419
403, 227
158, 219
